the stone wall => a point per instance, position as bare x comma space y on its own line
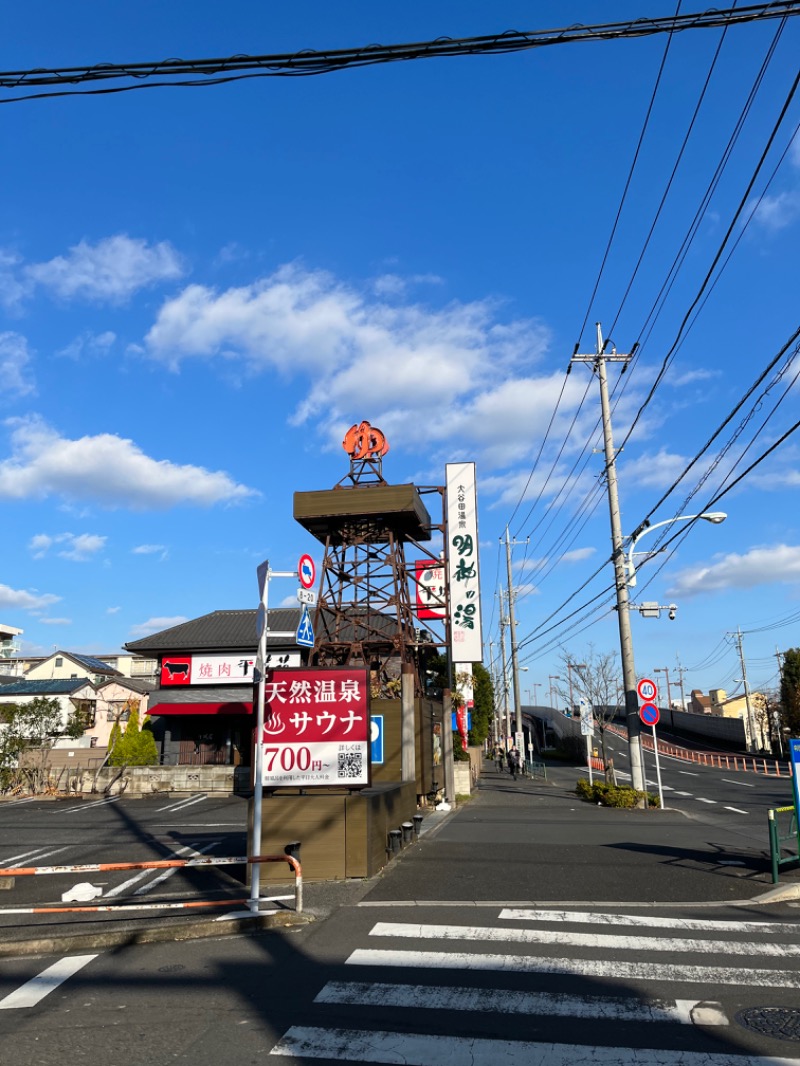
148, 780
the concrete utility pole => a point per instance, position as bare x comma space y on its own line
504, 666
681, 672
751, 722
512, 623
598, 362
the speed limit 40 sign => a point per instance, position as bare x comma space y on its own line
647, 690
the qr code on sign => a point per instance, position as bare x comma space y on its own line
350, 763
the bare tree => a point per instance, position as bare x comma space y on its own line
595, 679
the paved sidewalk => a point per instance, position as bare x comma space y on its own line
524, 841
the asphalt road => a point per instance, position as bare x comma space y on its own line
501, 938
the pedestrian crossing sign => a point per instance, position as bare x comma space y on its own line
305, 631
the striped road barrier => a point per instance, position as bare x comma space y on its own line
156, 864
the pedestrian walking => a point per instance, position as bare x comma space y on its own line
514, 761
500, 757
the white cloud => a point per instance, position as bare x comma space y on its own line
89, 344
19, 599
12, 289
577, 555
689, 377
397, 360
55, 621
105, 468
654, 471
110, 271
113, 610
778, 212
155, 625
15, 365
765, 565
79, 548
148, 549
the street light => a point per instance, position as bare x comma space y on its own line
570, 668
551, 678
630, 568
665, 670
625, 578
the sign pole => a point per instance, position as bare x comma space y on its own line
658, 770
258, 755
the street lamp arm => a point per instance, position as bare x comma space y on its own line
630, 567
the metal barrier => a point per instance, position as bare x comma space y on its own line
756, 764
156, 864
536, 768
777, 841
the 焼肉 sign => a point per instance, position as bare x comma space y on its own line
236, 669
316, 728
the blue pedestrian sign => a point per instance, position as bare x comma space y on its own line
794, 757
305, 631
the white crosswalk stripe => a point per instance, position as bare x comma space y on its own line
624, 952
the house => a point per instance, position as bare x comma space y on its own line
74, 694
698, 703
202, 707
115, 700
135, 666
9, 646
68, 664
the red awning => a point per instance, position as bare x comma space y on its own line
201, 708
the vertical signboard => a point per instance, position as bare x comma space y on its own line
430, 589
463, 573
794, 756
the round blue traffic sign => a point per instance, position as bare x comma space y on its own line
649, 714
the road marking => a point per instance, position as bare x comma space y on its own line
642, 920
418, 1049
617, 970
88, 806
688, 773
118, 891
36, 853
186, 801
566, 938
505, 1001
744, 784
684, 793
29, 994
736, 810
701, 799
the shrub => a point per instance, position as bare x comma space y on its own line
607, 795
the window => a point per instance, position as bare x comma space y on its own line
60, 661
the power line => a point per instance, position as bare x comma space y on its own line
307, 62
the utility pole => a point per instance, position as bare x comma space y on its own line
751, 722
681, 672
665, 670
598, 362
504, 666
512, 623
495, 693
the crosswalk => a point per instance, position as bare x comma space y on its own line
547, 987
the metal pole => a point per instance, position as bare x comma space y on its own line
598, 361
750, 717
658, 770
513, 627
504, 666
258, 755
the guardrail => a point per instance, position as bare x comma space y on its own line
769, 767
536, 768
156, 864
778, 840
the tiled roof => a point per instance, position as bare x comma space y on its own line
54, 687
135, 684
219, 631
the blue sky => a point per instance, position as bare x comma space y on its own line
202, 289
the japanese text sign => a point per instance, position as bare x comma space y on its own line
218, 669
316, 728
462, 563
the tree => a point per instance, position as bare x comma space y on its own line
790, 691
135, 747
595, 679
28, 737
483, 709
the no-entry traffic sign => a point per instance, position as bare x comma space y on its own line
647, 690
306, 571
649, 714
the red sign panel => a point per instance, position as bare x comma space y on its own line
316, 728
430, 583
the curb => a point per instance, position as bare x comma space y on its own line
781, 894
232, 924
